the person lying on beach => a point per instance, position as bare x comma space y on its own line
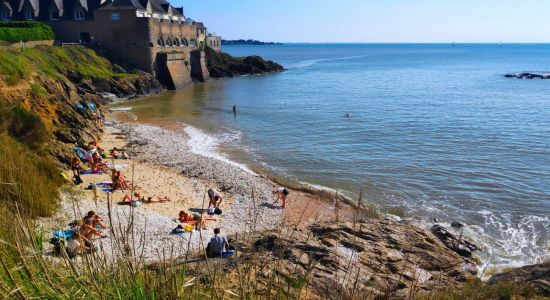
187, 218
77, 244
137, 197
118, 153
87, 230
95, 145
282, 194
215, 198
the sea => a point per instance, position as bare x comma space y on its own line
428, 130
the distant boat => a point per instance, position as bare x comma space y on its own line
453, 44
120, 109
500, 44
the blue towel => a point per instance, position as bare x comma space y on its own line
79, 152
64, 234
80, 106
91, 105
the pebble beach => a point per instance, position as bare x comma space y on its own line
162, 163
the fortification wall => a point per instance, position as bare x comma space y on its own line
199, 72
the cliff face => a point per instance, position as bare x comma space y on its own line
62, 93
224, 65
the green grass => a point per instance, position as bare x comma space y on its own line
75, 62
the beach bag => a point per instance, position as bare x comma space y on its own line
211, 210
178, 230
135, 203
217, 211
188, 227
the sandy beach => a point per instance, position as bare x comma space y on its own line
161, 163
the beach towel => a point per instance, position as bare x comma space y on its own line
91, 105
89, 172
64, 234
104, 184
80, 106
79, 152
111, 166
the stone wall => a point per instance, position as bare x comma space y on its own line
199, 72
214, 42
29, 44
160, 47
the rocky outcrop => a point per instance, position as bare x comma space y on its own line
536, 276
224, 65
374, 258
528, 75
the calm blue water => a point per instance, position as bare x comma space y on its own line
435, 129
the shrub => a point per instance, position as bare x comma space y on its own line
25, 31
27, 128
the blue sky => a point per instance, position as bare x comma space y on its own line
375, 20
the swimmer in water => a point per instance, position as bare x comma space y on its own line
234, 109
348, 115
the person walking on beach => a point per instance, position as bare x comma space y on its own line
282, 193
215, 198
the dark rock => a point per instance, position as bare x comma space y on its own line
221, 65
463, 247
456, 224
536, 276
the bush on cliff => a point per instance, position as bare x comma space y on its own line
16, 31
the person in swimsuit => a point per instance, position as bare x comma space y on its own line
215, 198
282, 194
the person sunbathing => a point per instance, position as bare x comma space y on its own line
188, 218
76, 165
96, 219
119, 182
158, 199
137, 197
88, 230
118, 153
78, 244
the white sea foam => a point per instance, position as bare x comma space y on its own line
207, 145
311, 62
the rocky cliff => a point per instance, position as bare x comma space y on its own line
224, 65
62, 86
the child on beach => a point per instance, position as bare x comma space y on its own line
282, 194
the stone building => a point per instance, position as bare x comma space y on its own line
151, 35
213, 41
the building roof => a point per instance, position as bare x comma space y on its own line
34, 4
153, 6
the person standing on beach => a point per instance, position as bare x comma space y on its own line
282, 193
215, 198
234, 109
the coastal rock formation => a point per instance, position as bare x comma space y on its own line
224, 65
373, 258
529, 75
536, 276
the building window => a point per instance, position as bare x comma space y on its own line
176, 42
193, 43
29, 15
5, 15
160, 42
115, 17
168, 42
79, 15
